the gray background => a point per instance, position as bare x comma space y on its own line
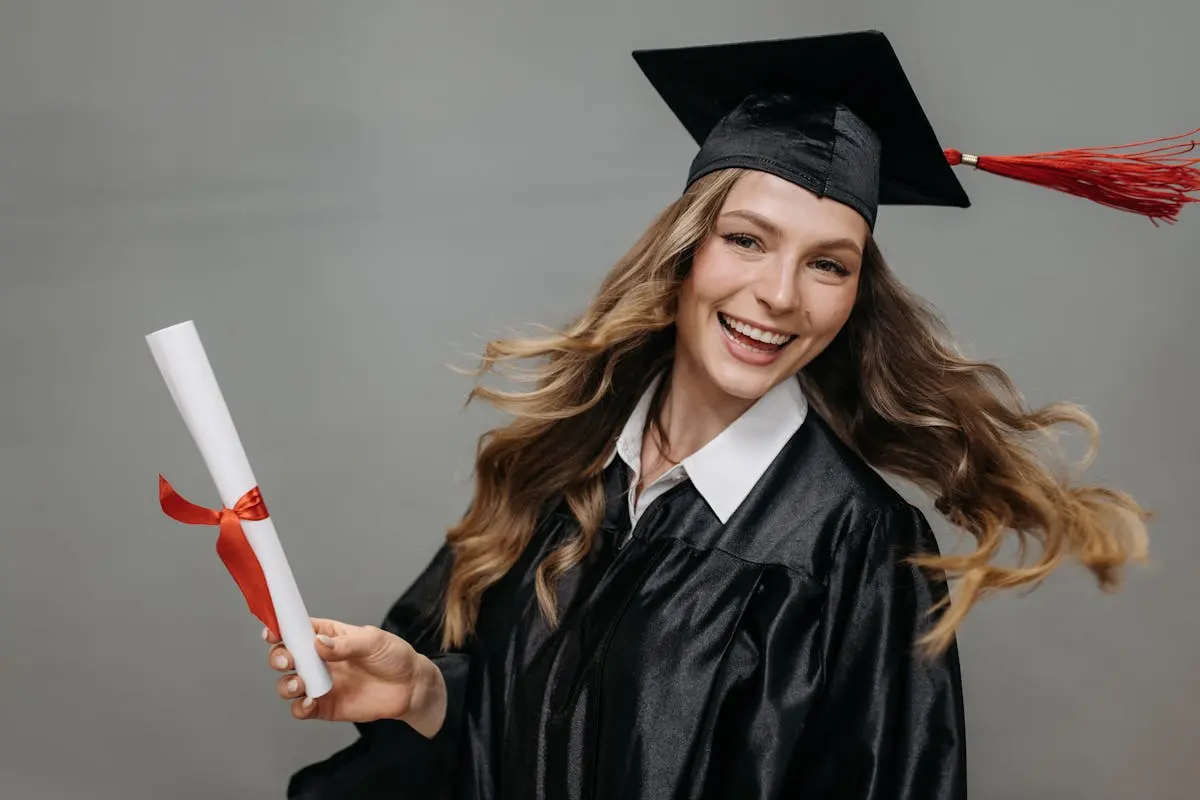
348, 197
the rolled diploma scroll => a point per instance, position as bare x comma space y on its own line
189, 377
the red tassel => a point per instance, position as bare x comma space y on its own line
1152, 181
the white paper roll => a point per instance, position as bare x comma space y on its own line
189, 377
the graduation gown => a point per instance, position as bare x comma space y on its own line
766, 656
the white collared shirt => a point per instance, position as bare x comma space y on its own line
727, 467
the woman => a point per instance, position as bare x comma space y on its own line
681, 574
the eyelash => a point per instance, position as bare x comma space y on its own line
823, 264
734, 238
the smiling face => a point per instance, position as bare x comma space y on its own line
768, 289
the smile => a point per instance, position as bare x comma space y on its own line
751, 337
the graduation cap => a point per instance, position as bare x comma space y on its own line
837, 115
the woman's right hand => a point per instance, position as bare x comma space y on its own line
376, 675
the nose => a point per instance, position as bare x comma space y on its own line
778, 288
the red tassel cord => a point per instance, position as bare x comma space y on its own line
1154, 180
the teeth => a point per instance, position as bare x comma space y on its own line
755, 333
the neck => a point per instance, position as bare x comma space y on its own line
695, 410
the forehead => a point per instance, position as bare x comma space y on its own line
793, 209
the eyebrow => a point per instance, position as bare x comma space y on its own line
774, 230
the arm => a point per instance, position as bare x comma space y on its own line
890, 724
390, 756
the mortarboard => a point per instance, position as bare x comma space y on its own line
837, 115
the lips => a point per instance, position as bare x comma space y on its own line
752, 337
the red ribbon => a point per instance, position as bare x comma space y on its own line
232, 546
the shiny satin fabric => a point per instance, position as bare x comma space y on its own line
820, 146
771, 657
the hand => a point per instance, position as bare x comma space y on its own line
376, 675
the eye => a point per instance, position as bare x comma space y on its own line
831, 266
742, 240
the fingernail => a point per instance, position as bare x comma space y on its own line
293, 685
325, 640
266, 632
281, 661
308, 702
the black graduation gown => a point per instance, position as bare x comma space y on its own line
770, 657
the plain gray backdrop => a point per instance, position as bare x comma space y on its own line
349, 197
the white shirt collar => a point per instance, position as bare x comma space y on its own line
727, 468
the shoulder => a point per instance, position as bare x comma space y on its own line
817, 500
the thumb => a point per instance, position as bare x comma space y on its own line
353, 642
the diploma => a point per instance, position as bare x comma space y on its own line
248, 543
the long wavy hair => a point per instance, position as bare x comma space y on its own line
890, 385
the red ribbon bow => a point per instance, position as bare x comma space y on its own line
232, 546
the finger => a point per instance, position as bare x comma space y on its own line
352, 642
329, 627
280, 658
290, 686
304, 708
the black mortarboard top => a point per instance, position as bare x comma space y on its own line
836, 114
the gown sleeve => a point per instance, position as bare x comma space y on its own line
889, 724
390, 759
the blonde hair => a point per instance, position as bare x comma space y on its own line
888, 384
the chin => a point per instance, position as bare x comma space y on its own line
746, 383
749, 388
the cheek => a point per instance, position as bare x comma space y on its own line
692, 313
831, 309
714, 276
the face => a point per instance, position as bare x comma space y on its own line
769, 289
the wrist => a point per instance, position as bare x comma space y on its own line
427, 704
